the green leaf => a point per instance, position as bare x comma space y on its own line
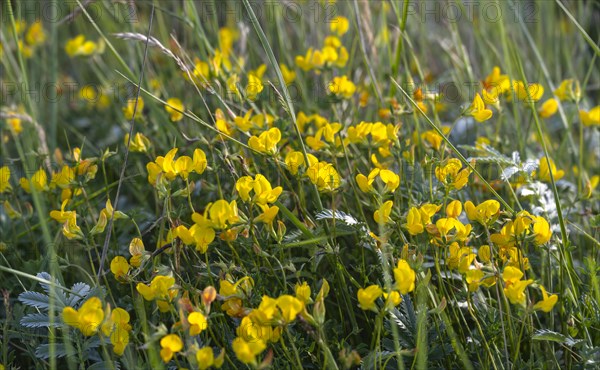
553, 336
38, 320
35, 299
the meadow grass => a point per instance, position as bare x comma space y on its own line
300, 184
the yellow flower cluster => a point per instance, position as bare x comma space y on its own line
264, 194
79, 46
387, 177
266, 142
161, 290
452, 175
332, 54
167, 168
342, 87
264, 324
496, 85
91, 317
29, 38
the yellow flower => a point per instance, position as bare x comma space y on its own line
139, 143
87, 318
245, 351
405, 277
549, 108
136, 249
484, 212
119, 339
39, 181
450, 174
209, 294
170, 345
197, 323
303, 292
568, 90
254, 87
473, 278
368, 296
295, 160
290, 307
62, 215
268, 214
63, 179
414, 225
497, 82
454, 209
205, 358
541, 230
79, 46
119, 267
202, 232
392, 299
389, 178
359, 133
244, 123
266, 142
491, 97
160, 289
199, 161
15, 124
26, 50
242, 286
547, 302
533, 92
484, 253
511, 275
342, 87
340, 25
515, 291
433, 138
329, 54
459, 258
547, 165
117, 328
478, 110
304, 61
445, 225
70, 229
366, 183
175, 109
105, 215
35, 35
118, 318
591, 118
223, 214
130, 107
324, 175
263, 192
382, 215
4, 179
289, 75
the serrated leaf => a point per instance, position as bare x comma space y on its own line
80, 292
59, 293
60, 350
337, 215
508, 172
529, 166
105, 365
35, 299
38, 320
